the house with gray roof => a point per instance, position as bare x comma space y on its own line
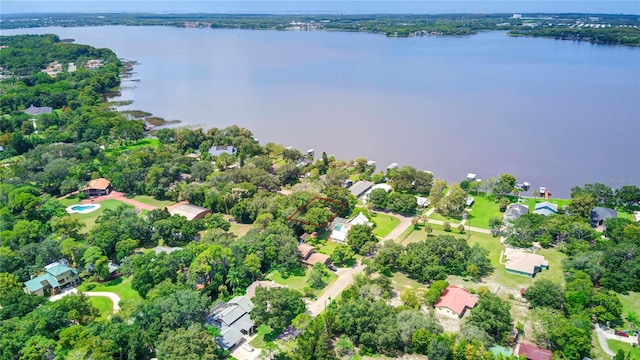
515, 211
546, 208
35, 110
598, 215
360, 188
234, 321
55, 276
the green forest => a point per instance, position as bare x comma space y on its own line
250, 196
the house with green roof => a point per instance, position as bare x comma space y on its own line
55, 276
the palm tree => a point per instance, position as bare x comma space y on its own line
516, 192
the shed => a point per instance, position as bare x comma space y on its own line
191, 212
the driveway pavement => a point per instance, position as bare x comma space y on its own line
115, 299
345, 277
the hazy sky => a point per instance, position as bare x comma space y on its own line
324, 6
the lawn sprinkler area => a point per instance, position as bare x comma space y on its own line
82, 208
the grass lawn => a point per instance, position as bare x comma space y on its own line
626, 213
150, 200
140, 143
482, 210
299, 281
103, 304
401, 281
239, 230
265, 334
90, 219
627, 348
630, 302
327, 248
384, 224
436, 216
120, 286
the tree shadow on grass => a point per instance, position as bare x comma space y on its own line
115, 282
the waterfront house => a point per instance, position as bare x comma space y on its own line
340, 227
515, 211
455, 301
191, 212
55, 276
598, 215
360, 188
523, 263
98, 187
546, 208
219, 150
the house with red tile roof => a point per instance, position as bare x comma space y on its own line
532, 352
454, 301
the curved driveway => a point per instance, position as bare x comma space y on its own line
113, 296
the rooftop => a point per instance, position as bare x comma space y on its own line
229, 337
40, 281
317, 258
533, 352
35, 110
601, 213
360, 187
187, 210
56, 269
456, 299
101, 184
305, 250
519, 260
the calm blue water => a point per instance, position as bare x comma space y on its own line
553, 113
327, 6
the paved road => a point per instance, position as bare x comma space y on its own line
345, 277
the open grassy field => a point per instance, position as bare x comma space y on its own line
482, 210
384, 224
90, 219
103, 304
401, 281
627, 213
627, 348
150, 200
120, 286
239, 230
139, 143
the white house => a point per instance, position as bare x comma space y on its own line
340, 228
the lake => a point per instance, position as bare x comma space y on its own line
553, 113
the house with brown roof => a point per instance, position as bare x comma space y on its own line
523, 263
307, 255
191, 212
455, 301
98, 187
532, 352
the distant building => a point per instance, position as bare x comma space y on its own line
98, 187
454, 301
523, 263
56, 275
35, 110
422, 202
191, 212
340, 227
598, 215
515, 211
546, 208
392, 166
470, 200
219, 150
471, 176
532, 352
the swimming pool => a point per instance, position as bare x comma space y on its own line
82, 209
338, 227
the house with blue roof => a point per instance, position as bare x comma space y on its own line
55, 276
546, 208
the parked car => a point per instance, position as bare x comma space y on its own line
332, 268
247, 347
621, 333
